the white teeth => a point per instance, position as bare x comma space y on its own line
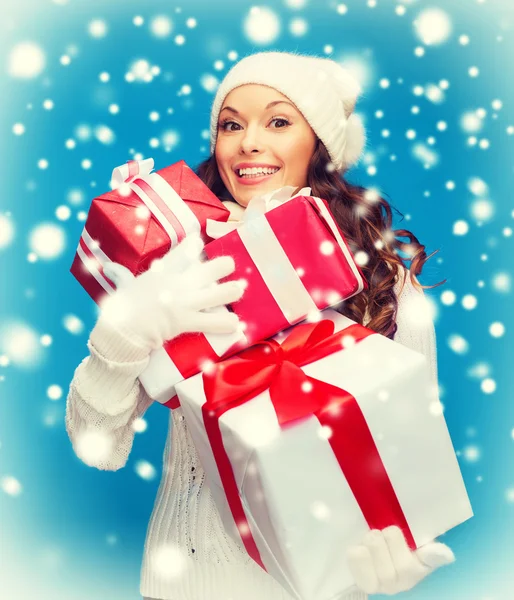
257, 171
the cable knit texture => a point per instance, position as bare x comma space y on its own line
188, 555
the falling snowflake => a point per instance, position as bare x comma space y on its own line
262, 25
26, 61
433, 26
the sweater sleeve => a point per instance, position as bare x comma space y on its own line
415, 325
105, 398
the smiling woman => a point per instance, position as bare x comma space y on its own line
278, 119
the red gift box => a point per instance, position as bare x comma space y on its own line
295, 261
141, 219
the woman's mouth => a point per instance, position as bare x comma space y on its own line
254, 179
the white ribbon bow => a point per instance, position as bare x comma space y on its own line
126, 173
258, 205
162, 201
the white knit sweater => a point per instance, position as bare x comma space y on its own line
188, 555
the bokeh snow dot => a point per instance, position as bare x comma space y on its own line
73, 324
63, 212
482, 210
477, 186
104, 134
471, 453
161, 26
145, 470
361, 258
460, 227
262, 25
433, 26
170, 139
209, 82
75, 196
488, 386
326, 247
469, 302
139, 425
83, 132
54, 392
6, 231
168, 562
11, 486
497, 329
501, 282
93, 447
320, 511
470, 122
26, 61
298, 26
97, 28
458, 344
139, 70
47, 240
46, 340
20, 343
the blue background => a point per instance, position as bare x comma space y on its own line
72, 532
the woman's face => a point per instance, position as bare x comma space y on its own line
260, 127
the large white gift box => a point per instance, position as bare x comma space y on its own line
312, 438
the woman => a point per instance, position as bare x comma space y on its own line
292, 116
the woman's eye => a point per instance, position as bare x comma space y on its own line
228, 123
225, 124
280, 119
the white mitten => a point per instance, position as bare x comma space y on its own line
384, 563
168, 298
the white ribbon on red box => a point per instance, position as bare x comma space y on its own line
162, 201
261, 243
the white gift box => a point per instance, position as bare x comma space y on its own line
287, 499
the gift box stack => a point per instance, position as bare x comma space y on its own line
288, 249
303, 450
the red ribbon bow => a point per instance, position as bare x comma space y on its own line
276, 366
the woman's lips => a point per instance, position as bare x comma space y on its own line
255, 180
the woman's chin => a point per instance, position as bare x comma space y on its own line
244, 196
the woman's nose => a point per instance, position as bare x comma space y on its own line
250, 140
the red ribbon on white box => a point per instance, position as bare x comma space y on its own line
162, 201
163, 373
272, 262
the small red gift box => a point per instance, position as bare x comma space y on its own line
141, 219
295, 261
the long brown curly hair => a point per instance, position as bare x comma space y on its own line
358, 212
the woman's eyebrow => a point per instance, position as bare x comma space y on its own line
267, 107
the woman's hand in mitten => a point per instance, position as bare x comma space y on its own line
168, 298
384, 563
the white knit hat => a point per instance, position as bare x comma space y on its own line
323, 91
